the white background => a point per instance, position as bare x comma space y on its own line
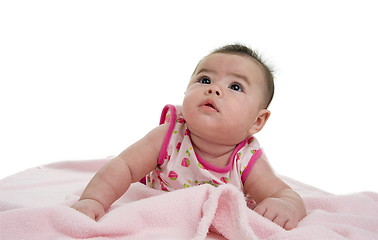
83, 80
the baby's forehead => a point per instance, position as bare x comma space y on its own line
242, 63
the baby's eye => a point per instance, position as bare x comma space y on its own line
237, 87
204, 80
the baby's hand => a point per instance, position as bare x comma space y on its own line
90, 207
280, 211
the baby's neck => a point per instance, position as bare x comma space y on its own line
213, 153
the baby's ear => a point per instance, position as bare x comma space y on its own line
262, 118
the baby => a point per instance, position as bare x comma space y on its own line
207, 140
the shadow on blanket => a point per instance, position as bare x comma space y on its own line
34, 205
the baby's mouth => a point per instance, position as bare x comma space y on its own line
210, 106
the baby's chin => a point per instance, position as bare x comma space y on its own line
211, 135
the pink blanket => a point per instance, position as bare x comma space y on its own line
34, 205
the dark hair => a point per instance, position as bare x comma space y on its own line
246, 51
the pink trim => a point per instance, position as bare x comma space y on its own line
250, 165
228, 168
167, 138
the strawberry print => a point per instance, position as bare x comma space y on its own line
163, 187
216, 182
178, 146
224, 179
172, 175
158, 171
238, 156
250, 140
180, 120
185, 162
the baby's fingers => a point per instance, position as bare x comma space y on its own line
290, 224
280, 220
260, 209
99, 214
89, 207
265, 212
285, 222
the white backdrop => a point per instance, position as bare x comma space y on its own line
83, 80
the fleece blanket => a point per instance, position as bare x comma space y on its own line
34, 204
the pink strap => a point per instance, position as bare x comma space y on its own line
250, 165
172, 122
213, 168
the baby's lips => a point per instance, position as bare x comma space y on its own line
210, 103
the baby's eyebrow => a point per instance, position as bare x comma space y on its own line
205, 70
242, 77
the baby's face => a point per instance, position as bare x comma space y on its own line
224, 97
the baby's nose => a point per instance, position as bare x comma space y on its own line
210, 91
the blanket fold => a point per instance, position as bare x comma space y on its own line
34, 204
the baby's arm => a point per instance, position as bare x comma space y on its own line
112, 180
275, 199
